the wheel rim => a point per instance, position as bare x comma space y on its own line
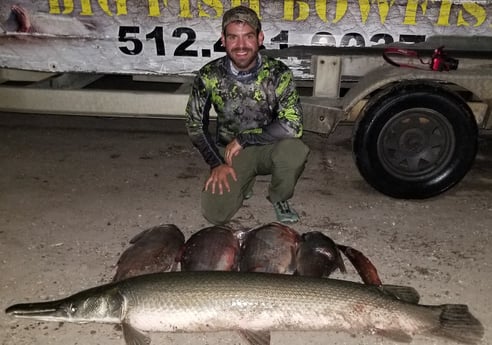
416, 143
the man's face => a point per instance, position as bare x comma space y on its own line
242, 44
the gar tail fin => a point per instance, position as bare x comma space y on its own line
457, 323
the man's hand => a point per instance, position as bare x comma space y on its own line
232, 150
218, 179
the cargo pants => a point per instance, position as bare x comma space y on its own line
283, 160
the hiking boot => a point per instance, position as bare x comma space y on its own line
248, 195
285, 214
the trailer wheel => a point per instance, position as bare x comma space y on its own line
415, 140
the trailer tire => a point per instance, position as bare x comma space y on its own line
415, 140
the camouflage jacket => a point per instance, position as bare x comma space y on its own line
257, 107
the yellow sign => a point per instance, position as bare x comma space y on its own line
179, 36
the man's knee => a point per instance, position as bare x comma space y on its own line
292, 152
215, 211
216, 218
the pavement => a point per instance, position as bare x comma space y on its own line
74, 191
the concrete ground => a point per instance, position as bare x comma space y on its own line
74, 191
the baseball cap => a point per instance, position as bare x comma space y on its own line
242, 14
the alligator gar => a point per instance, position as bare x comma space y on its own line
253, 304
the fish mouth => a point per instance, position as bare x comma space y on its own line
46, 311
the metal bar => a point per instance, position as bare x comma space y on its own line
92, 102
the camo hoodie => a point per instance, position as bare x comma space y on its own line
257, 107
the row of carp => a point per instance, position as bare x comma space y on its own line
269, 248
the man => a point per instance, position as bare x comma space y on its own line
259, 122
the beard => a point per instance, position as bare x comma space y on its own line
243, 62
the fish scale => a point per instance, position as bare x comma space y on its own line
247, 295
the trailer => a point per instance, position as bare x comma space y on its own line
417, 108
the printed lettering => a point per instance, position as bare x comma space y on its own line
353, 39
190, 39
104, 6
383, 7
55, 6
365, 9
121, 7
185, 9
216, 5
154, 10
137, 44
85, 7
321, 10
218, 47
382, 39
340, 10
444, 13
253, 4
475, 10
324, 39
289, 9
411, 11
282, 38
158, 36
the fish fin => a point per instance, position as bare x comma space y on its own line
341, 263
256, 337
403, 293
133, 336
457, 323
366, 269
395, 335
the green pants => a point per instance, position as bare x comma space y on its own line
284, 160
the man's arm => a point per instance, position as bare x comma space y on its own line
198, 111
197, 120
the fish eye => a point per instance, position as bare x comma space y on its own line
72, 308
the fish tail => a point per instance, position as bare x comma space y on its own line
457, 323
